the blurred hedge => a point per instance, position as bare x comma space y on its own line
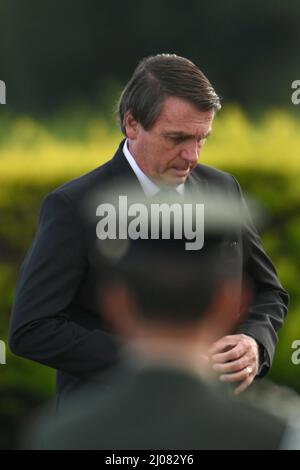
35, 158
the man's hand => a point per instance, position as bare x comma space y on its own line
236, 357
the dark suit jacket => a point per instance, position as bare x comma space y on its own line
158, 407
55, 317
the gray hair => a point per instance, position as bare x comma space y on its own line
159, 77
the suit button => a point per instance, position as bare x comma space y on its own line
234, 244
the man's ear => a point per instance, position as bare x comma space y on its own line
131, 126
119, 308
229, 307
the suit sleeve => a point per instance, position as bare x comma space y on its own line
41, 329
269, 305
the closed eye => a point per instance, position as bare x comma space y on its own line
179, 139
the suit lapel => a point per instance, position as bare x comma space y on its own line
195, 183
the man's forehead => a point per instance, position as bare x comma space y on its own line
182, 115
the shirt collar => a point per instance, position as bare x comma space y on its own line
149, 187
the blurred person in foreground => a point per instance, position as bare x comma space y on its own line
166, 114
169, 305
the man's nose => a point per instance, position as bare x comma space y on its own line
190, 152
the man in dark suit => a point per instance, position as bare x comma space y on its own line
166, 112
169, 305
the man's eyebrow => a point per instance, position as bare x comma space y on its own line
183, 135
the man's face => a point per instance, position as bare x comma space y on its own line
169, 151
